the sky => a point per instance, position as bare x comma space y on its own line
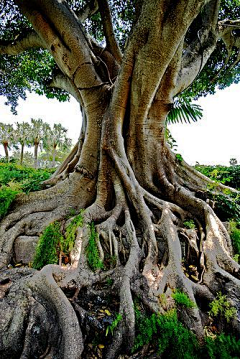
212, 140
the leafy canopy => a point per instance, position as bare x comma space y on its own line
34, 69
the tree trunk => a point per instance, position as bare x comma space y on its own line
22, 152
5, 146
54, 156
36, 144
129, 183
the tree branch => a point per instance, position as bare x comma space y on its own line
87, 11
64, 83
20, 44
200, 49
111, 41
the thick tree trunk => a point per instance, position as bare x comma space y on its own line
129, 184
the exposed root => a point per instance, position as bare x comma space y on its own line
147, 254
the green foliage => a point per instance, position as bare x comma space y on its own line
70, 233
184, 110
172, 339
222, 347
235, 237
226, 205
30, 179
7, 196
48, 246
221, 308
113, 326
181, 299
52, 243
189, 224
92, 252
223, 174
179, 158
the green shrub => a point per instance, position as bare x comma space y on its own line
47, 251
222, 347
182, 299
70, 234
52, 243
15, 179
221, 308
7, 196
235, 237
189, 224
170, 337
92, 252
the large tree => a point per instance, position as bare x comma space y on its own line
124, 62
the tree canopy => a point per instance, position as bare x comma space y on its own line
35, 68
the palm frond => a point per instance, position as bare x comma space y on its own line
184, 111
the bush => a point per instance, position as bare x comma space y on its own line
7, 196
15, 179
47, 251
92, 252
181, 299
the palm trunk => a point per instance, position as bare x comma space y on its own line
21, 155
36, 144
5, 146
54, 156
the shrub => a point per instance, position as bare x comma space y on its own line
235, 237
92, 252
182, 299
220, 307
7, 196
170, 337
47, 251
222, 347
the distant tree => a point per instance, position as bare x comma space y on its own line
39, 129
6, 137
56, 139
23, 136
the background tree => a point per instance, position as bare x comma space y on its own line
124, 62
39, 131
56, 139
6, 137
23, 135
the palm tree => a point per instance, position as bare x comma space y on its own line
6, 137
39, 129
56, 139
23, 136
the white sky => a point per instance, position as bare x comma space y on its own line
213, 140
